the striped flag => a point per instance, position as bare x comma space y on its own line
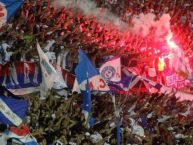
12, 111
20, 78
21, 135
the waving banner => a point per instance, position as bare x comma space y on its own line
20, 77
86, 70
88, 79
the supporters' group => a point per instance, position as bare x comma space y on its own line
145, 119
71, 30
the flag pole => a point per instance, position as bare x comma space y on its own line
88, 117
117, 115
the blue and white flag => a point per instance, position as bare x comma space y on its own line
86, 102
167, 90
7, 9
111, 70
26, 139
86, 70
128, 81
12, 111
89, 80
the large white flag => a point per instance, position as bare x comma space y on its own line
49, 74
111, 70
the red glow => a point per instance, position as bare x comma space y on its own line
177, 57
171, 43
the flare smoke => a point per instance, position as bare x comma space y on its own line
89, 8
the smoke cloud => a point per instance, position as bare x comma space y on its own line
89, 8
143, 23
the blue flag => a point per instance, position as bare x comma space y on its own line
10, 7
86, 70
12, 111
128, 81
89, 80
86, 106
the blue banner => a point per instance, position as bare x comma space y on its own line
12, 111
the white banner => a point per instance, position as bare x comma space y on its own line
49, 74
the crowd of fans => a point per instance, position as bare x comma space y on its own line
180, 12
145, 119
39, 20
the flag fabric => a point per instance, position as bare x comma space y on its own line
12, 111
21, 135
128, 81
20, 78
60, 86
175, 81
8, 8
59, 83
3, 138
89, 80
86, 102
71, 81
111, 70
49, 74
167, 90
152, 86
21, 131
85, 69
69, 78
76, 87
